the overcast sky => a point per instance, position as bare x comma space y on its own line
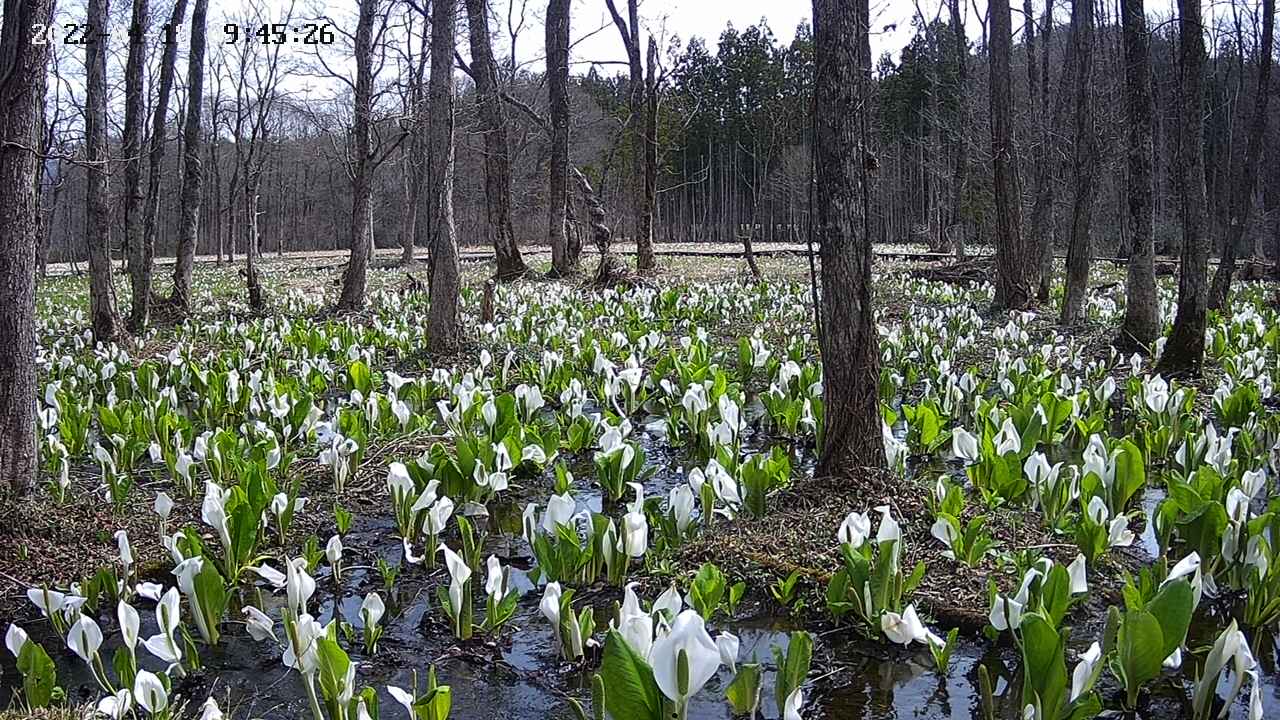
891, 21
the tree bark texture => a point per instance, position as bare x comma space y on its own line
650, 154
557, 42
444, 331
1016, 259
850, 345
1053, 113
497, 153
356, 276
1085, 160
959, 163
1241, 202
131, 147
415, 226
144, 258
102, 294
1184, 353
1142, 307
192, 177
629, 29
23, 65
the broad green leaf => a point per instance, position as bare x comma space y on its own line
1139, 648
1172, 608
744, 692
630, 688
39, 674
1045, 672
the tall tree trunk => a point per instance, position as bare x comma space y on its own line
192, 178
650, 154
417, 157
142, 263
497, 153
1015, 258
23, 65
850, 345
131, 146
1142, 307
629, 29
253, 284
355, 277
97, 217
959, 163
444, 330
1085, 152
557, 42
1184, 353
1053, 113
1241, 203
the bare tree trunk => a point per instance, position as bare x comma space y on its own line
497, 153
1053, 110
142, 261
444, 330
192, 178
253, 285
563, 262
650, 155
139, 276
1142, 307
23, 65
629, 29
1184, 353
1080, 249
1241, 203
1015, 258
355, 277
955, 220
417, 156
102, 294
850, 347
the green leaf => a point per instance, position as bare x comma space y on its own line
794, 668
1139, 649
1172, 608
212, 594
435, 705
743, 693
1131, 474
1045, 669
361, 378
630, 688
333, 664
39, 674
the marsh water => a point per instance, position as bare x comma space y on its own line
519, 676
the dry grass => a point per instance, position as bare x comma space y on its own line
799, 535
